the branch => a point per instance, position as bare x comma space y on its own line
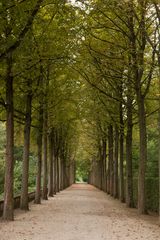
115, 24
150, 73
24, 31
106, 41
13, 5
85, 76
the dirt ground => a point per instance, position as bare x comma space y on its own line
80, 212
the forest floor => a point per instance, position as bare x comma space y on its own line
80, 212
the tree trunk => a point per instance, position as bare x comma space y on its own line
110, 146
108, 166
101, 167
61, 162
159, 142
62, 175
121, 196
45, 155
9, 168
159, 122
137, 55
25, 167
51, 180
143, 155
56, 146
39, 165
57, 182
55, 169
116, 162
104, 165
129, 177
157, 7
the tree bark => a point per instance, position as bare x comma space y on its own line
51, 179
108, 166
25, 167
45, 155
158, 55
138, 66
55, 168
56, 146
159, 132
100, 167
57, 182
39, 163
121, 195
9, 168
104, 143
143, 155
129, 177
62, 159
110, 155
62, 174
116, 162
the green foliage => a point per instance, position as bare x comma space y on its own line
152, 193
82, 170
18, 155
152, 163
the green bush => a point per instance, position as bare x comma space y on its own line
152, 193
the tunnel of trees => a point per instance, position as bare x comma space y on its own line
80, 99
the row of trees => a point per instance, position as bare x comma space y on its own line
36, 95
121, 65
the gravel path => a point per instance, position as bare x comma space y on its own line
80, 212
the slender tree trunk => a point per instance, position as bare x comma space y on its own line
62, 164
137, 63
129, 177
159, 142
45, 139
51, 180
56, 146
101, 167
157, 8
45, 155
108, 165
25, 167
55, 169
159, 121
39, 164
104, 165
116, 162
143, 156
57, 163
110, 145
74, 171
121, 196
9, 168
62, 174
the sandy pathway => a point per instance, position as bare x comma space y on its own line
80, 213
